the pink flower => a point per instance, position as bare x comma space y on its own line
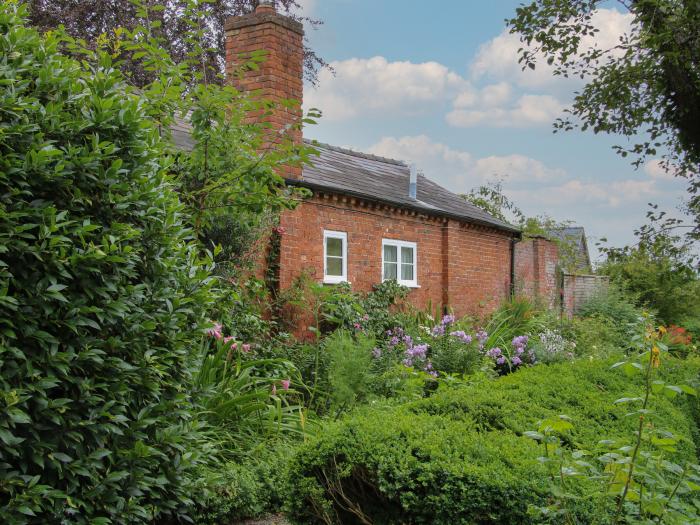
280, 230
285, 384
234, 346
228, 339
215, 331
357, 326
245, 348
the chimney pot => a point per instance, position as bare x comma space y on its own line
265, 6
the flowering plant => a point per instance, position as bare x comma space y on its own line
550, 346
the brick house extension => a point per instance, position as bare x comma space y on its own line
370, 218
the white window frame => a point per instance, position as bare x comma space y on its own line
402, 244
335, 279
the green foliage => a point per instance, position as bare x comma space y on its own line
101, 294
449, 354
460, 456
235, 491
637, 474
616, 305
348, 369
399, 467
491, 198
245, 400
658, 281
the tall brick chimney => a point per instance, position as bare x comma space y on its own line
279, 77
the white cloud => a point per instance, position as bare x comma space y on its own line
656, 170
459, 170
516, 168
375, 85
574, 193
307, 7
498, 58
528, 110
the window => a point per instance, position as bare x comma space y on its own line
399, 261
335, 257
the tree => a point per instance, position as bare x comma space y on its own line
646, 88
170, 22
659, 270
102, 293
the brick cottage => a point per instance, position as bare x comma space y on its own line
372, 218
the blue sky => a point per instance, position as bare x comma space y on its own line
443, 89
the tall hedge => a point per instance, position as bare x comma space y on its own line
99, 294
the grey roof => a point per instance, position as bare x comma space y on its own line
576, 235
386, 180
374, 178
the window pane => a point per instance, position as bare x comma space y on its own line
334, 247
390, 270
334, 266
407, 272
406, 255
390, 254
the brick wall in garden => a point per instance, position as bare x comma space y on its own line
536, 261
464, 266
577, 289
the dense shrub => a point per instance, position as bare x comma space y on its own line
235, 491
100, 295
460, 455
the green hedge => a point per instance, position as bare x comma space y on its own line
100, 295
459, 456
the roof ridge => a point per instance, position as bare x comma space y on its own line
356, 153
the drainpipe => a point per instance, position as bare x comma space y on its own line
513, 241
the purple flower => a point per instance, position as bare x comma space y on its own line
408, 340
494, 352
377, 353
501, 360
520, 341
438, 330
394, 341
516, 360
448, 319
407, 362
464, 337
482, 336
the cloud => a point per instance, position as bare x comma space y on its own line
459, 170
528, 110
498, 58
375, 85
306, 7
656, 170
516, 168
574, 193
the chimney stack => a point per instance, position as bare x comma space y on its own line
279, 77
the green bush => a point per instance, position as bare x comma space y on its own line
100, 295
460, 456
236, 491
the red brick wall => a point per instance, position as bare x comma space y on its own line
463, 266
536, 262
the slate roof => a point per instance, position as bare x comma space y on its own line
576, 235
374, 178
386, 180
